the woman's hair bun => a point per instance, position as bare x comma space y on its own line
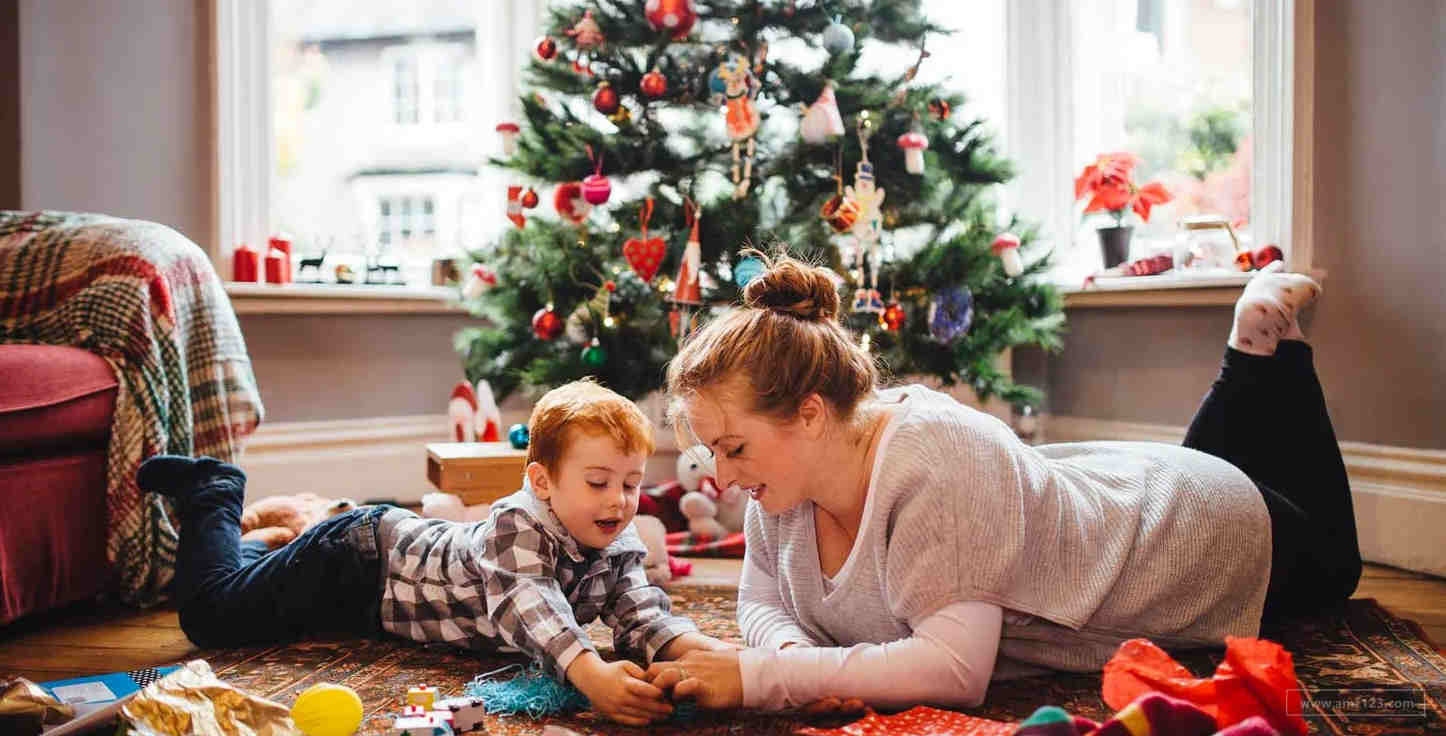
790, 286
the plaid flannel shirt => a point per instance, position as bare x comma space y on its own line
519, 582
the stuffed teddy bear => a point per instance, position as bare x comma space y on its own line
710, 512
449, 506
277, 520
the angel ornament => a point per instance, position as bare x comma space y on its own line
869, 200
741, 114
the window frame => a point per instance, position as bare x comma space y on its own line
1037, 134
243, 142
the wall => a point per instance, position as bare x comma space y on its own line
1380, 328
9, 104
114, 109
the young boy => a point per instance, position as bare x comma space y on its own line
551, 557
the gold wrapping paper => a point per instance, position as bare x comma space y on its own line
26, 709
192, 702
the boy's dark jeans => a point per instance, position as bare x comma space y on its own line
328, 580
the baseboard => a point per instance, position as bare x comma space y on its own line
1399, 493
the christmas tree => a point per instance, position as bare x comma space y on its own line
669, 139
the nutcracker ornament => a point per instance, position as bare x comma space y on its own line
586, 35
868, 199
687, 292
514, 207
741, 115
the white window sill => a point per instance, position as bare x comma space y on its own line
253, 298
1162, 290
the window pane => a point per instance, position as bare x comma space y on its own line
1169, 81
356, 88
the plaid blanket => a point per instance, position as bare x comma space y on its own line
146, 299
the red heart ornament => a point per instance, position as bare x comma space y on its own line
645, 256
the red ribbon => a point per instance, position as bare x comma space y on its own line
596, 160
690, 211
645, 213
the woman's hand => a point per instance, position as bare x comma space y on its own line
713, 679
832, 704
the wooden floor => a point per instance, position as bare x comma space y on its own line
78, 641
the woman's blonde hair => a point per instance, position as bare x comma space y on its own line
786, 341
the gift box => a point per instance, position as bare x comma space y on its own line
478, 472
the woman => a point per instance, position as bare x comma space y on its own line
905, 549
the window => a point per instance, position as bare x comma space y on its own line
361, 127
404, 90
1200, 90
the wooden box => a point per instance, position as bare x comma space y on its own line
479, 472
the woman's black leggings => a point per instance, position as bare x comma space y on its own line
1267, 416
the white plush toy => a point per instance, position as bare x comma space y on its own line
449, 506
655, 538
709, 511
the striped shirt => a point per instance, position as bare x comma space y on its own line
519, 582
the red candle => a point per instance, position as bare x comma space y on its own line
283, 244
245, 264
277, 267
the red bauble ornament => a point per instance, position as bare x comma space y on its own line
545, 48
675, 16
529, 198
546, 325
654, 84
596, 189
1266, 255
606, 99
893, 317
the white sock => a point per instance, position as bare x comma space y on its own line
1269, 308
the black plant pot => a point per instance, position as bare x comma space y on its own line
1115, 244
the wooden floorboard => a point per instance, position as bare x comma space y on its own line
89, 639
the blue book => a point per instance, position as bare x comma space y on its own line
97, 698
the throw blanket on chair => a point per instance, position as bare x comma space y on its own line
148, 301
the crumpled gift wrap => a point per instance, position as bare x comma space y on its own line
26, 709
192, 702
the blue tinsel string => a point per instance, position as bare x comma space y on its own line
539, 695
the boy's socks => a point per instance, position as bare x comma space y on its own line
179, 477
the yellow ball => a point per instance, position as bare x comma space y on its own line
327, 710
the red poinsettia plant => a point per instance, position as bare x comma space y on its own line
1109, 185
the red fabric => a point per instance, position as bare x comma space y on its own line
52, 532
54, 396
688, 544
917, 721
1257, 678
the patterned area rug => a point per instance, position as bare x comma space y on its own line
1364, 672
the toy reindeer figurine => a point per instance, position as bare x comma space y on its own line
868, 199
741, 114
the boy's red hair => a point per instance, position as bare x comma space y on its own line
587, 407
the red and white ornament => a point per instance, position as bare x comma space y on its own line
509, 132
546, 325
514, 206
606, 100
675, 16
545, 48
687, 289
645, 254
821, 121
570, 203
913, 143
478, 281
654, 84
1006, 246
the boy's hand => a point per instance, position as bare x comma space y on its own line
617, 690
